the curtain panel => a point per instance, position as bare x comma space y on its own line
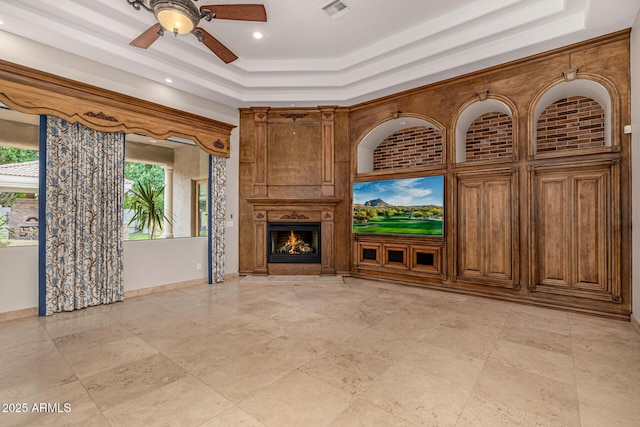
217, 213
83, 217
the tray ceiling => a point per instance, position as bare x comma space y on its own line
308, 58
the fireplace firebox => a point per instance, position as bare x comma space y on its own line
297, 243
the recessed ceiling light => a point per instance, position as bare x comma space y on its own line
152, 140
1, 22
168, 80
257, 35
403, 123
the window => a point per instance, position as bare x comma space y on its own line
19, 184
176, 169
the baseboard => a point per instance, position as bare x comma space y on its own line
163, 288
18, 314
635, 323
28, 312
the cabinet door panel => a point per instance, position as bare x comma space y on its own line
470, 250
573, 231
590, 227
485, 247
498, 228
553, 234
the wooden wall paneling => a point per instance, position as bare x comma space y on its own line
35, 92
294, 154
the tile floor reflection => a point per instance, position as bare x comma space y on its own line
319, 351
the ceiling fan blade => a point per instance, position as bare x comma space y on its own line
238, 12
147, 38
215, 46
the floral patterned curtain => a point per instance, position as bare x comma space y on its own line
83, 196
217, 203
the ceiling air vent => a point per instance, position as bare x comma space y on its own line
336, 9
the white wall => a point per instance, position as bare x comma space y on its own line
18, 278
147, 263
186, 168
635, 164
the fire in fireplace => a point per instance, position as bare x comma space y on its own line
294, 243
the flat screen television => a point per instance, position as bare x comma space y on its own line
413, 206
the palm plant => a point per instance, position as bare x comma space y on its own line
147, 205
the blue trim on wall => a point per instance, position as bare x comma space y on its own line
210, 221
42, 220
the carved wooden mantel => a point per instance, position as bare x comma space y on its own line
320, 210
35, 92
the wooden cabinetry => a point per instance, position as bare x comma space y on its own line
485, 226
409, 257
547, 227
574, 231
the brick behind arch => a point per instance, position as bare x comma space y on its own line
490, 137
410, 147
569, 124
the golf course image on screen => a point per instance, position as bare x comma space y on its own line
399, 206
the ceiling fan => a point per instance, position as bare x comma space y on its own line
182, 16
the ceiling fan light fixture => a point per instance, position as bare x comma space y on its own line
176, 16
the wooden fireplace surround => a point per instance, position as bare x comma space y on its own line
294, 211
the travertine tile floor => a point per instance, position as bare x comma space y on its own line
311, 351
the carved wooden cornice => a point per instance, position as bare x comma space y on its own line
294, 116
35, 92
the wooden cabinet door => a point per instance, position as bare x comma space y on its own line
485, 237
573, 232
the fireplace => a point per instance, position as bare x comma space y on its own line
294, 243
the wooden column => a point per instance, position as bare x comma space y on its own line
260, 181
260, 230
328, 239
328, 150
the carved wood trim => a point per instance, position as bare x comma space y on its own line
35, 92
294, 116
